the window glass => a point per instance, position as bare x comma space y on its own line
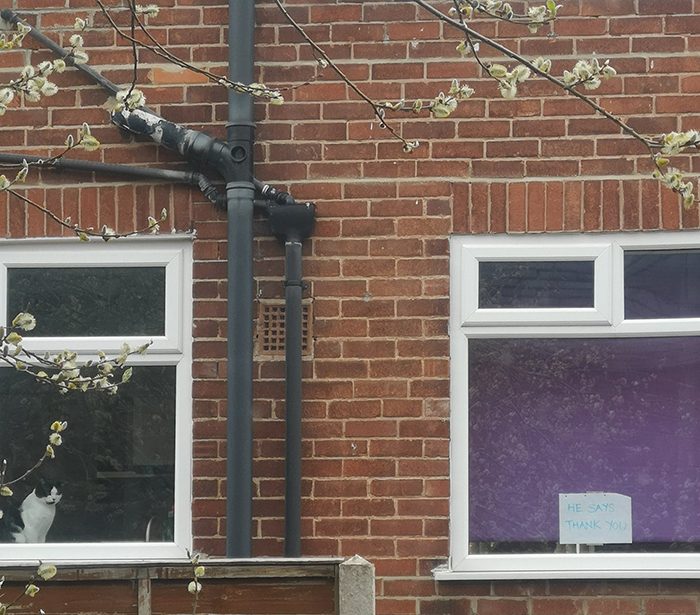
89, 301
115, 467
662, 284
536, 284
552, 416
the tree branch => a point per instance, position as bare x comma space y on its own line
525, 62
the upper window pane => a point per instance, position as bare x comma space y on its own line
536, 284
662, 284
89, 301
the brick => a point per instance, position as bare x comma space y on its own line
613, 606
396, 449
413, 587
341, 527
630, 210
572, 206
369, 507
340, 488
670, 606
396, 487
367, 547
638, 25
591, 206
354, 409
502, 606
423, 467
517, 207
670, 210
377, 428
557, 606
671, 7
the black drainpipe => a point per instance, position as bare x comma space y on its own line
240, 194
292, 223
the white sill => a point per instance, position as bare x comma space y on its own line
94, 551
573, 566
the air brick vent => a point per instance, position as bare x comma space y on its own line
271, 327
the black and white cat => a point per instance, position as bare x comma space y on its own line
32, 521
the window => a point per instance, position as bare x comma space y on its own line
576, 384
125, 463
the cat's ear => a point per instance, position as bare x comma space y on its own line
41, 489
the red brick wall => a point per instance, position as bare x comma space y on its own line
376, 394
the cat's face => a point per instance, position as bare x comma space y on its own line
49, 493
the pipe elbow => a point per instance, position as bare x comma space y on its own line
208, 151
195, 146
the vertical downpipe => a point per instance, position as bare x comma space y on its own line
292, 223
240, 193
293, 342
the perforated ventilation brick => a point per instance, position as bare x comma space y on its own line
271, 327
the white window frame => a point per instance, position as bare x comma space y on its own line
606, 319
473, 315
174, 252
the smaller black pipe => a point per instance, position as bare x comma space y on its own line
269, 196
292, 224
293, 367
14, 19
185, 177
177, 177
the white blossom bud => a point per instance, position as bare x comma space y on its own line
46, 571
24, 321
508, 89
31, 590
498, 71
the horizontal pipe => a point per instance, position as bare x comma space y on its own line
180, 177
176, 177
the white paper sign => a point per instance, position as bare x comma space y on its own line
595, 518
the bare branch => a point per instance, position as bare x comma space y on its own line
571, 89
254, 89
322, 57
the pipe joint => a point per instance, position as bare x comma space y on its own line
240, 132
240, 139
276, 196
292, 223
242, 185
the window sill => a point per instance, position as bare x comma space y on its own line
574, 566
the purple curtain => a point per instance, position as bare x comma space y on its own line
550, 416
